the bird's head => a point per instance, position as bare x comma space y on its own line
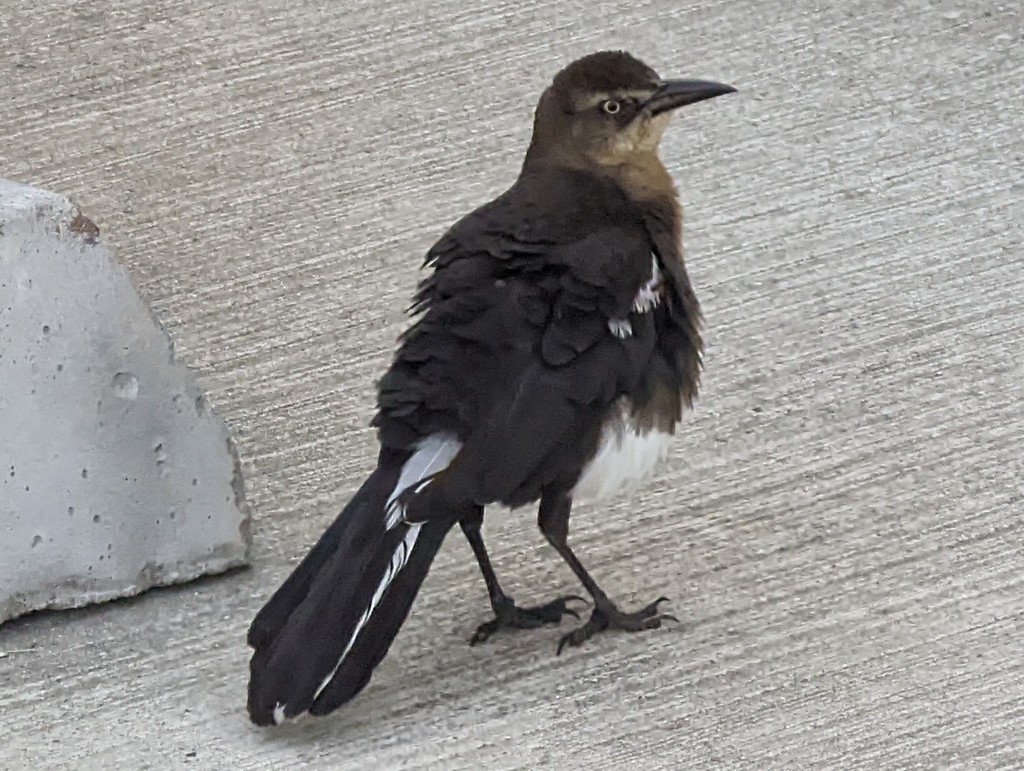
609, 110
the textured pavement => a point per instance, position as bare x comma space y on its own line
839, 525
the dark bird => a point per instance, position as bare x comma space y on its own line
556, 345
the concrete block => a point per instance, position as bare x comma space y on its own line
115, 475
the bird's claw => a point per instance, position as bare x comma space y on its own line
648, 617
508, 614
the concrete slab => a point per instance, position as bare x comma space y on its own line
117, 476
839, 525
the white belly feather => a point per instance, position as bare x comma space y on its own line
625, 457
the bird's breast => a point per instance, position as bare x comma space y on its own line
647, 298
626, 455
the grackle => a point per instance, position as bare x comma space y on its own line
556, 345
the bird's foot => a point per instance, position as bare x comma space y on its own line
607, 616
508, 614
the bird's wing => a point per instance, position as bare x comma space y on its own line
521, 357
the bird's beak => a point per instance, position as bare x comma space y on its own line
678, 93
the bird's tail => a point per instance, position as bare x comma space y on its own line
327, 627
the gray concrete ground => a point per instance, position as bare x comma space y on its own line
839, 524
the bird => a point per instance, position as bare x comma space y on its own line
555, 343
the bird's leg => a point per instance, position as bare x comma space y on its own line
506, 612
553, 519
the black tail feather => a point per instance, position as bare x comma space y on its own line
380, 630
302, 632
272, 618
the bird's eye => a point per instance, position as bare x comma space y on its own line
611, 107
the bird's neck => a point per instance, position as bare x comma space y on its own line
644, 180
648, 184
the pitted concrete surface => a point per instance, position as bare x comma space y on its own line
839, 526
117, 475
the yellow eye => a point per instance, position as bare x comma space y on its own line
611, 107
